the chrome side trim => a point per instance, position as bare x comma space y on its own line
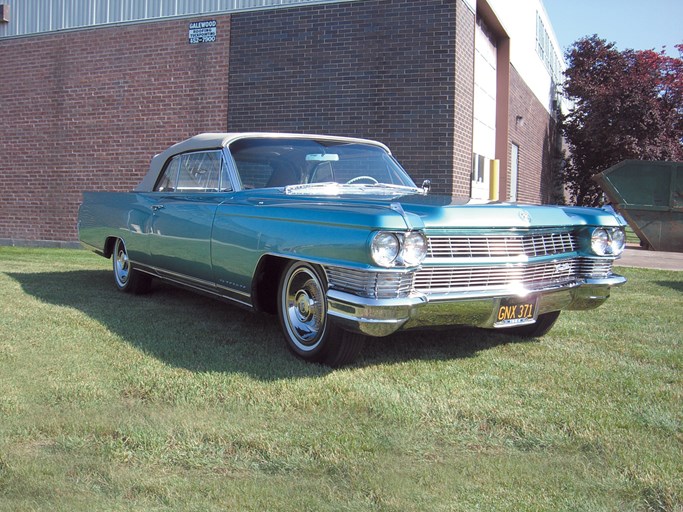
199, 285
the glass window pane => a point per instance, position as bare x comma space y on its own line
199, 172
281, 162
514, 172
167, 182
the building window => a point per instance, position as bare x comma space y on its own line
514, 172
547, 52
478, 168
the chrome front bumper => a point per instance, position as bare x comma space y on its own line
381, 317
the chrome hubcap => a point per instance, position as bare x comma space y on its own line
121, 265
305, 308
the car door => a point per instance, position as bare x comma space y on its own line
185, 202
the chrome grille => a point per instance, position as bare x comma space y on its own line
596, 268
461, 277
534, 244
380, 285
447, 279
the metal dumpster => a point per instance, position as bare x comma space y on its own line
650, 197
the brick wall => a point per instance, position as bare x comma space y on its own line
463, 121
382, 69
86, 110
537, 138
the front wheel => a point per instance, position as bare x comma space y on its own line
127, 278
302, 310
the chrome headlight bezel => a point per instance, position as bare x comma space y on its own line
608, 241
385, 248
398, 249
414, 248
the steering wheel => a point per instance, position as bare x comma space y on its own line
358, 178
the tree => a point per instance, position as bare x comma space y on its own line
625, 105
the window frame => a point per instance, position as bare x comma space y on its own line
226, 181
513, 192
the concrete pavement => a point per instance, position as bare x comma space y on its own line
635, 256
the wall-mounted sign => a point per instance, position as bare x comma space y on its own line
202, 32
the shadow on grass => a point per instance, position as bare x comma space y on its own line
674, 285
201, 334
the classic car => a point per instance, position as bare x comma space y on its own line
331, 235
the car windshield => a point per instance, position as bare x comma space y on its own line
318, 166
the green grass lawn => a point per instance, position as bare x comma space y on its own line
173, 401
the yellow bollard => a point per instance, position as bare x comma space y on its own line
494, 174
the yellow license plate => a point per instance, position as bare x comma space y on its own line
513, 311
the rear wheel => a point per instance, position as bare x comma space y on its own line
127, 278
539, 328
302, 310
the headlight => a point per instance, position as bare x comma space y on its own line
608, 241
600, 242
414, 248
385, 248
390, 249
618, 241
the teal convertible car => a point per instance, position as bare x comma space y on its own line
332, 236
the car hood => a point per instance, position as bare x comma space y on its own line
442, 212
431, 212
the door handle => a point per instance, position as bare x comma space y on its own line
157, 207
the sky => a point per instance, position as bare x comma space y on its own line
634, 24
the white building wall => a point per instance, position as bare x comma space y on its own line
519, 19
484, 110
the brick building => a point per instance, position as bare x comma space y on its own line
91, 89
